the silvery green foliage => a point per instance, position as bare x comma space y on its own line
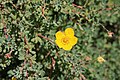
27, 34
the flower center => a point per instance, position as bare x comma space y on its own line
65, 40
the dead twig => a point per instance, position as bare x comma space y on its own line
47, 54
77, 6
5, 29
83, 77
40, 35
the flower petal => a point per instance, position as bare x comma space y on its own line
69, 32
100, 59
59, 43
67, 47
59, 35
73, 40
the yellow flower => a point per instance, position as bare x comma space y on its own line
66, 40
100, 59
14, 78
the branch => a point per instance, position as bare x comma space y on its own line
47, 54
8, 55
83, 77
43, 9
14, 6
5, 29
77, 6
40, 35
25, 40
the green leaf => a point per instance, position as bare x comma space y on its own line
21, 55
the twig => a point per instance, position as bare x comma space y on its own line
104, 28
14, 6
52, 66
79, 25
77, 6
83, 77
26, 43
5, 29
8, 55
23, 66
40, 35
53, 62
25, 40
43, 9
47, 54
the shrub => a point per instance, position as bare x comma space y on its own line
28, 50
